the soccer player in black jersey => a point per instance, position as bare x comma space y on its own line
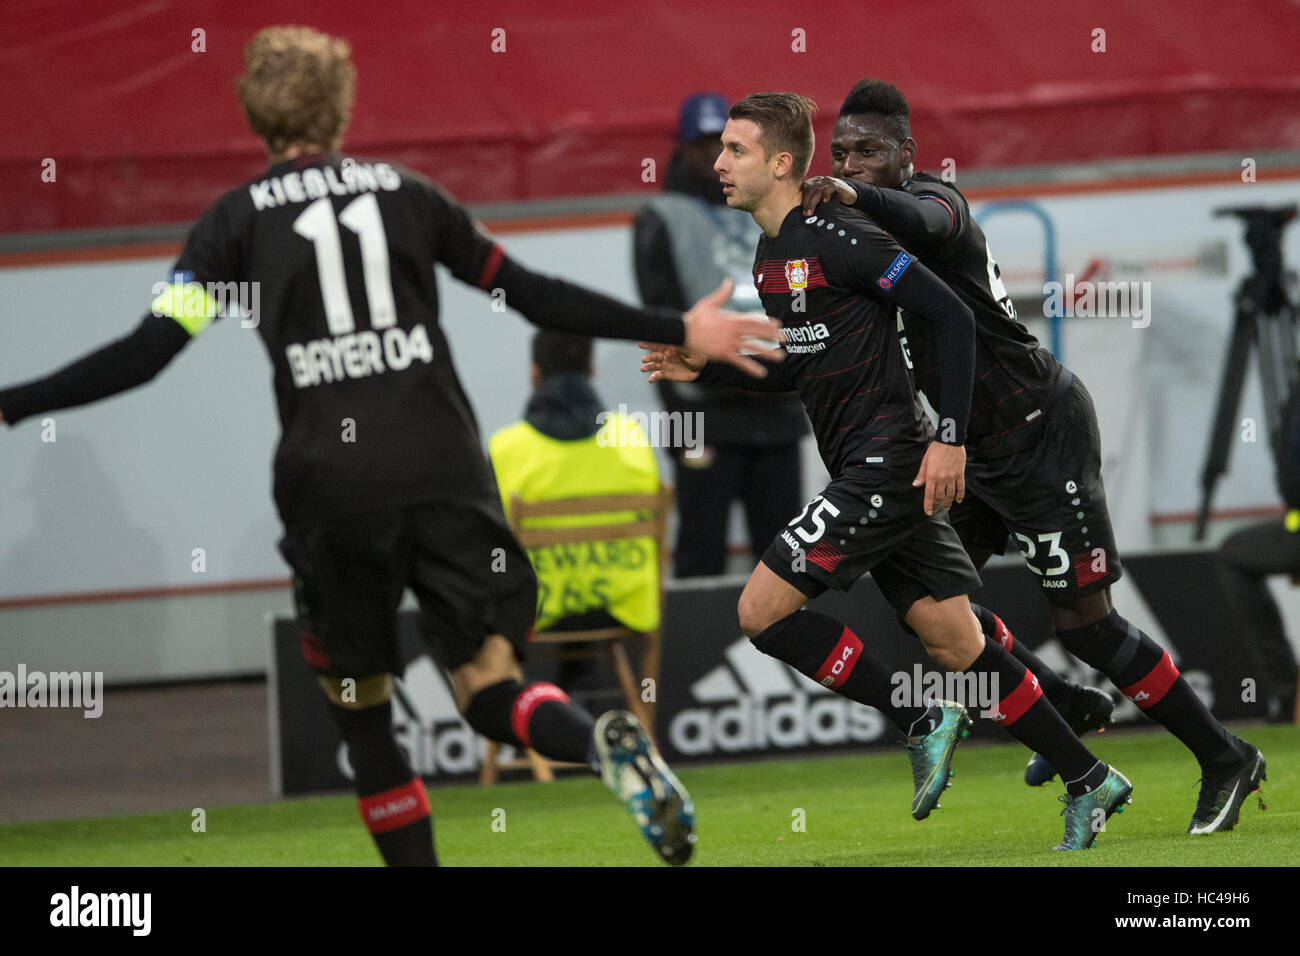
835, 280
1034, 470
343, 251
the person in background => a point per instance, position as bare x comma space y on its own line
568, 446
1246, 559
687, 240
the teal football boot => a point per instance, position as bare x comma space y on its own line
931, 757
1086, 815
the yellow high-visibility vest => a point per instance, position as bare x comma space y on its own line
619, 576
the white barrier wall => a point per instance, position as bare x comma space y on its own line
1155, 386
134, 487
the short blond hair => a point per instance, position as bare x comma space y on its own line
297, 87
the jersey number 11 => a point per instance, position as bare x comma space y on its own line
318, 224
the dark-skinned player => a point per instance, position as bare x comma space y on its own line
1034, 466
835, 280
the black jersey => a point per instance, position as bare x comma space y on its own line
1015, 377
835, 280
333, 259
372, 412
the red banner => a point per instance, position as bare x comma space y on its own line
131, 109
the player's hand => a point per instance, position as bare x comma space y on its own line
714, 333
943, 472
820, 189
671, 363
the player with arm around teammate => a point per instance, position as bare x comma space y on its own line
1035, 454
835, 280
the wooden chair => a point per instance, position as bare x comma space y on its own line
652, 521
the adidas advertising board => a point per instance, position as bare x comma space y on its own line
722, 698
717, 698
311, 753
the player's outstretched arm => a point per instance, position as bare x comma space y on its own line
707, 329
689, 362
673, 363
714, 333
124, 364
903, 215
670, 363
476, 259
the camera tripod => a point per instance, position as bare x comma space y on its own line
1265, 316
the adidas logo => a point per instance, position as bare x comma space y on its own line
755, 702
437, 740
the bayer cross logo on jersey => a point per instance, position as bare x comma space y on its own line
796, 274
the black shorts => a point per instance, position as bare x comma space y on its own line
1050, 498
854, 527
468, 572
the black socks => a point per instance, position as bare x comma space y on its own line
826, 651
539, 716
1051, 683
392, 800
1022, 712
1145, 674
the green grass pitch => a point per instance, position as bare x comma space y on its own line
854, 811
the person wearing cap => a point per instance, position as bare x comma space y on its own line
687, 241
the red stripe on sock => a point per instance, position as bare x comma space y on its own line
835, 670
1001, 634
396, 808
1155, 685
1012, 707
529, 699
